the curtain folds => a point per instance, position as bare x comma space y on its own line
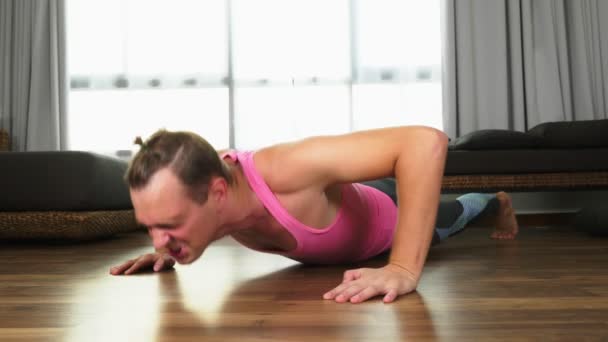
511, 64
33, 78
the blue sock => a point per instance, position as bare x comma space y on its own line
472, 204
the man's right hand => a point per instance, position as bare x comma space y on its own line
157, 261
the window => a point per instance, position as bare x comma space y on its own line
398, 58
291, 70
137, 66
249, 73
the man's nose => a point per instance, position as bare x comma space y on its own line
160, 239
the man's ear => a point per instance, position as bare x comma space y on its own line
218, 189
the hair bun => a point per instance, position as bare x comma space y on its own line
140, 142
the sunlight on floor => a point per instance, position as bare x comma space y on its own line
107, 304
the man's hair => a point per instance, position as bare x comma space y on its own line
190, 157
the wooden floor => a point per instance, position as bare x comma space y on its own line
550, 284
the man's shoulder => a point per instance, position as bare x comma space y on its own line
285, 169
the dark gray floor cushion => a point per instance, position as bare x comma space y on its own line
66, 180
572, 134
495, 139
65, 195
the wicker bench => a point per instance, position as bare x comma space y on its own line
65, 196
552, 156
4, 140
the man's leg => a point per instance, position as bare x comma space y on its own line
453, 216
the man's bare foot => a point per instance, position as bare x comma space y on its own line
506, 227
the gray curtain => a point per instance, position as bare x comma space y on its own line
512, 64
33, 89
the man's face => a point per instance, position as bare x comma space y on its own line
176, 223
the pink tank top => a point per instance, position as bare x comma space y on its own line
363, 227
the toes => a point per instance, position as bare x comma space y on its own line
502, 236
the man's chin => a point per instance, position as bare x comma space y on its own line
184, 261
188, 259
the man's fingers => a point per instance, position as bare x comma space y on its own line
159, 264
116, 270
169, 260
345, 295
165, 262
390, 296
351, 275
142, 262
364, 295
332, 294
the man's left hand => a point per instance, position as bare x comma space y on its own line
361, 284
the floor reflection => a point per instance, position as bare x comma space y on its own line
282, 305
104, 309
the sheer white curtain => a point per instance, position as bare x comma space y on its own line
250, 73
33, 84
515, 64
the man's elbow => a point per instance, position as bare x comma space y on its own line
440, 137
435, 141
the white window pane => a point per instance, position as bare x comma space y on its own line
269, 115
384, 105
281, 39
109, 120
398, 33
150, 37
95, 39
175, 37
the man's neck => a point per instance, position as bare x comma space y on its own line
244, 210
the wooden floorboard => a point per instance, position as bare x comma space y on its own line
549, 284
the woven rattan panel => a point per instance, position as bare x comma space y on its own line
65, 225
3, 140
526, 182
